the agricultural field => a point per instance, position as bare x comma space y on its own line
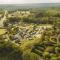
30, 34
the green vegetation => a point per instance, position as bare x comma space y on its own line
30, 34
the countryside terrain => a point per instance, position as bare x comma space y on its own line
30, 33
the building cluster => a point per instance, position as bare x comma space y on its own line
20, 14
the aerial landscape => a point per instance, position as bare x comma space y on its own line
30, 31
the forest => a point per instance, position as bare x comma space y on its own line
30, 34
